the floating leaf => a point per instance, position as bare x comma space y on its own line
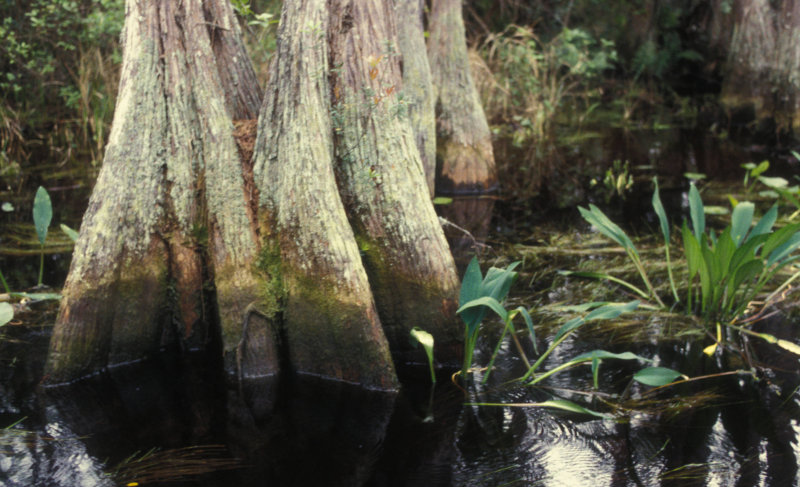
561, 404
6, 313
656, 376
42, 213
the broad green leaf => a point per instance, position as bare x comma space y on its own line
774, 183
659, 209
7, 207
696, 212
785, 249
656, 376
42, 213
471, 289
6, 313
471, 283
497, 282
744, 273
740, 221
778, 238
72, 234
487, 302
764, 226
694, 257
746, 251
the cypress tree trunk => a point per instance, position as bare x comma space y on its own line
762, 72
382, 183
167, 214
329, 316
464, 158
417, 90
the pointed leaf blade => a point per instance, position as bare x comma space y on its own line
42, 213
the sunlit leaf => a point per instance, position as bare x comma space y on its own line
426, 340
37, 296
442, 200
42, 213
7, 207
774, 182
656, 376
715, 210
694, 175
488, 302
72, 234
6, 313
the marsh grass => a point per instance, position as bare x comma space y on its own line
175, 465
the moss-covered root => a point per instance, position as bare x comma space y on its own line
105, 321
465, 161
309, 253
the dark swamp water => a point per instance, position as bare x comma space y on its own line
175, 421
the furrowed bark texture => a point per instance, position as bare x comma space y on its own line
168, 208
464, 157
382, 183
763, 66
331, 325
417, 89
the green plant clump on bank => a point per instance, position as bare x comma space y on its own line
726, 271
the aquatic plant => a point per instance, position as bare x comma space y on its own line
481, 294
725, 271
42, 215
426, 340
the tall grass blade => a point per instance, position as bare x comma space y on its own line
598, 275
604, 225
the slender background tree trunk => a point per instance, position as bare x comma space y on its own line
464, 157
418, 90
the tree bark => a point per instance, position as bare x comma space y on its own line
464, 158
382, 183
329, 316
417, 89
167, 214
762, 72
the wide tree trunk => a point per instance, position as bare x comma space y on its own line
382, 183
329, 316
185, 230
167, 215
464, 158
418, 92
762, 72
